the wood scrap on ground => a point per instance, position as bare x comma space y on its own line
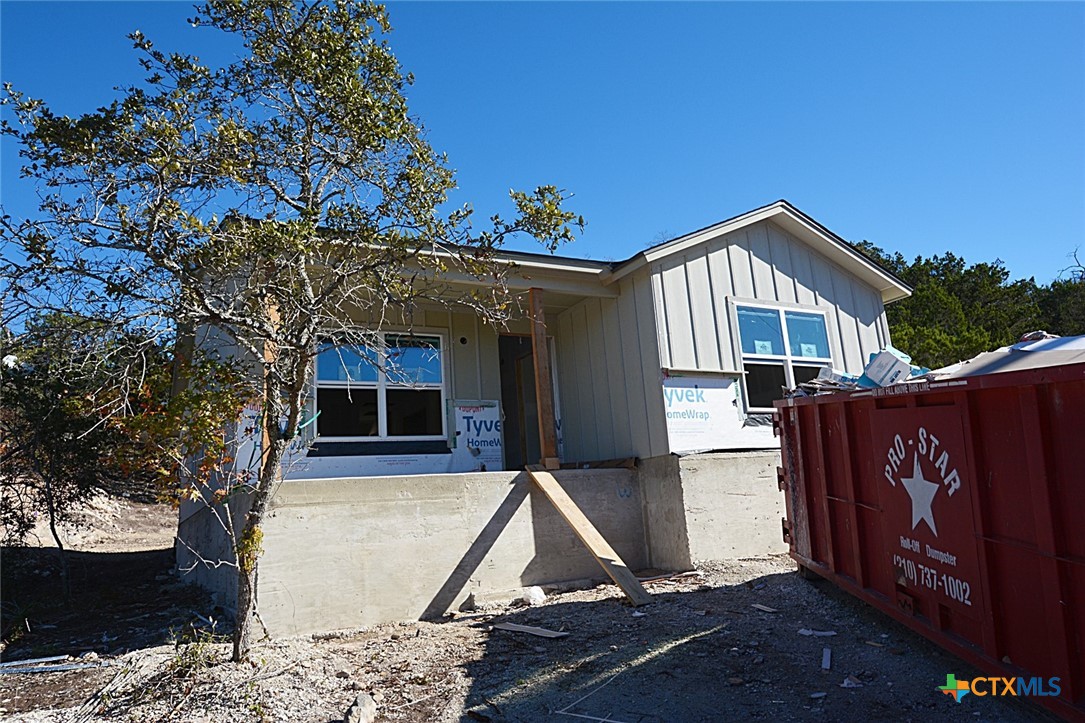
34, 661
541, 632
670, 577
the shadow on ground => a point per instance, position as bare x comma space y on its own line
120, 601
708, 655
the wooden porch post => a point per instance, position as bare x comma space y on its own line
544, 389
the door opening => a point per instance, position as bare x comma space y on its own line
520, 425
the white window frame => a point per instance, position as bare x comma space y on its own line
382, 385
787, 360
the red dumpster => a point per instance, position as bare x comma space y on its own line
958, 508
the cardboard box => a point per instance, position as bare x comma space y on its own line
885, 368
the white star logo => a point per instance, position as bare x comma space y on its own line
922, 493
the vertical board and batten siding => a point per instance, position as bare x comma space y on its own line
473, 368
764, 263
608, 376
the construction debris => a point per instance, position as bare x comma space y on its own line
34, 661
817, 633
54, 668
891, 366
541, 632
670, 577
533, 595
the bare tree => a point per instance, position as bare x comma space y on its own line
269, 200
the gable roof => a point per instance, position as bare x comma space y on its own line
795, 222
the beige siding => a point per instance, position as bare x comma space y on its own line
608, 375
765, 263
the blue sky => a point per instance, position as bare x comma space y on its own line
922, 127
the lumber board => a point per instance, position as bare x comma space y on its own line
541, 632
544, 388
604, 554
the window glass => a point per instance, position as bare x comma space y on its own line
414, 360
759, 330
806, 335
346, 412
414, 412
764, 383
804, 373
346, 364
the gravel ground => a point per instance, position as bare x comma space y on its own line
700, 652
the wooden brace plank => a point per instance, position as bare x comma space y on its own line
604, 554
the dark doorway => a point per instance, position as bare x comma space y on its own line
520, 424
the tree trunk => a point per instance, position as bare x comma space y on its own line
248, 548
64, 576
246, 598
51, 508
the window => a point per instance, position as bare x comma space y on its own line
780, 348
396, 392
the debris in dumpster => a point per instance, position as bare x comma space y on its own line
541, 632
834, 377
886, 367
1038, 335
1026, 354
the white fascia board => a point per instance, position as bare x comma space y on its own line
583, 285
585, 267
569, 265
684, 242
844, 256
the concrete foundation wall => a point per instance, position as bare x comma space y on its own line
346, 553
733, 504
200, 534
343, 553
664, 513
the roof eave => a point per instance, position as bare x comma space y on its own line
791, 219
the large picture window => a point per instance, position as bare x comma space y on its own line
780, 348
395, 392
